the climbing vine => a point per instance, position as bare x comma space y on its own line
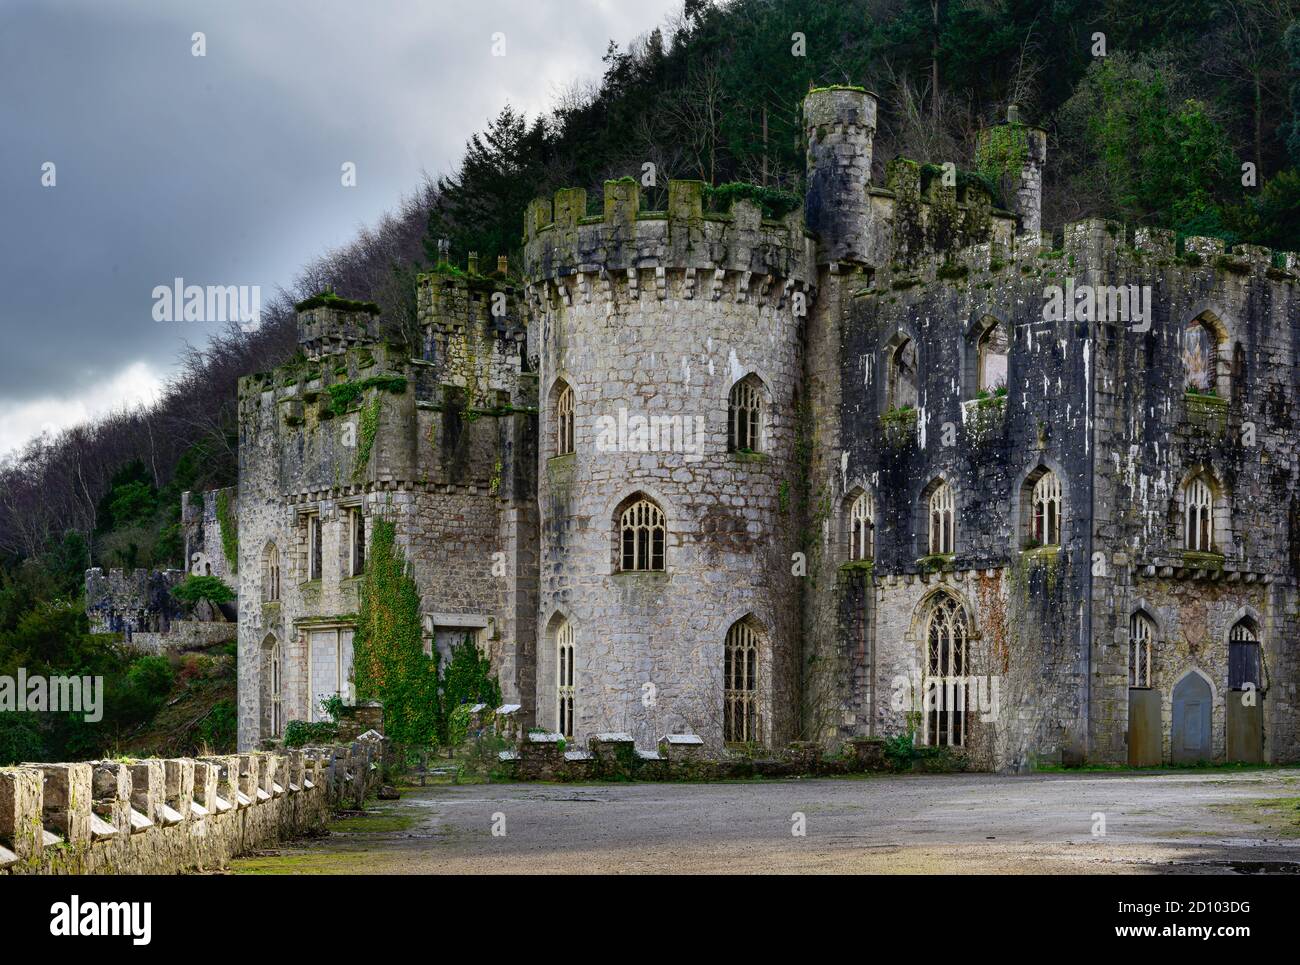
367, 427
229, 530
1002, 151
343, 394
389, 663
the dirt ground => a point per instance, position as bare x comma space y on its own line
1181, 822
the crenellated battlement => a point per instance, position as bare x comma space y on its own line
560, 240
1088, 243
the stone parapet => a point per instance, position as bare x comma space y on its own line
177, 815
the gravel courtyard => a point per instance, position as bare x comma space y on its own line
1191, 821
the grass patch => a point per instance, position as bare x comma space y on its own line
371, 822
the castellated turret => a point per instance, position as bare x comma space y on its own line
1014, 153
669, 363
839, 124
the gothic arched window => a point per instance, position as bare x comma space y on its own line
901, 386
994, 351
565, 691
642, 535
1198, 515
862, 527
564, 409
1141, 634
745, 416
942, 525
946, 637
1045, 510
740, 684
1243, 656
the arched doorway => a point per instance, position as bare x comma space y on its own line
1190, 734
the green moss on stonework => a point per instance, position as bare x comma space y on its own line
773, 202
1203, 561
343, 394
935, 562
852, 87
1002, 151
327, 299
229, 530
1235, 266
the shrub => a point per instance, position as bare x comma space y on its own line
210, 588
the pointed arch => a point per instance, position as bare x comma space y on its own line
641, 535
1203, 512
937, 512
746, 414
858, 522
946, 634
902, 372
987, 356
1205, 346
272, 686
563, 414
742, 661
1143, 636
270, 573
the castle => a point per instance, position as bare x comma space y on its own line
896, 461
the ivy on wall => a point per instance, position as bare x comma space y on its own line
343, 394
389, 663
367, 426
229, 530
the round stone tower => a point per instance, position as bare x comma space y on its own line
669, 484
840, 126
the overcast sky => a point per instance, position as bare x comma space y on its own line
225, 169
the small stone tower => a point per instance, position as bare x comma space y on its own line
647, 324
1014, 154
840, 123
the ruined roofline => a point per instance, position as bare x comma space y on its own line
1098, 241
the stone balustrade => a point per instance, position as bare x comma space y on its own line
169, 816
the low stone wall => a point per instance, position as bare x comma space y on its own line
680, 757
184, 635
169, 816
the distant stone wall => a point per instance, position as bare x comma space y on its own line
171, 816
205, 537
131, 601
183, 636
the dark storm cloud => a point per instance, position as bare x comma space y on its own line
225, 169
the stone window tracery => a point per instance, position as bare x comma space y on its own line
564, 411
1045, 506
740, 683
1141, 633
745, 416
642, 535
942, 508
862, 528
946, 638
565, 690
